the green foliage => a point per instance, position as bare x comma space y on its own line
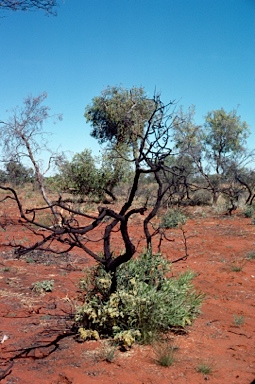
248, 211
81, 174
224, 136
17, 174
145, 302
86, 175
172, 219
43, 286
118, 115
225, 132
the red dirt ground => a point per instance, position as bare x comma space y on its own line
39, 348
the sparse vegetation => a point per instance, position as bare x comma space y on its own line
164, 352
204, 368
238, 264
43, 286
108, 353
239, 320
236, 268
250, 255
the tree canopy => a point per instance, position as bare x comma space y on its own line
118, 115
224, 136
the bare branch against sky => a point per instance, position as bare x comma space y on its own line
29, 5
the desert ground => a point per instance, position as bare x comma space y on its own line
38, 344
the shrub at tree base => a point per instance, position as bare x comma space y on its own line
145, 303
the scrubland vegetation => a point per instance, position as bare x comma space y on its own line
155, 162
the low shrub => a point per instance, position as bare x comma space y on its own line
145, 302
172, 219
248, 211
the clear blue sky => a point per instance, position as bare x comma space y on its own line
199, 52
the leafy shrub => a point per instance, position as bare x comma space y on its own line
248, 211
145, 302
172, 219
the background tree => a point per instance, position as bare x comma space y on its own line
244, 177
118, 117
224, 137
17, 174
23, 137
92, 177
29, 5
116, 171
213, 147
188, 142
80, 175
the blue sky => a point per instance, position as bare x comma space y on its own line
199, 52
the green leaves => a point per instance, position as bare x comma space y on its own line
145, 302
118, 116
225, 133
87, 175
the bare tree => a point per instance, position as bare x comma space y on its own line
29, 5
154, 146
23, 137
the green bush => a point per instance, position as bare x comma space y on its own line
172, 219
248, 211
145, 303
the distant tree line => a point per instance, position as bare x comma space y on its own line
202, 162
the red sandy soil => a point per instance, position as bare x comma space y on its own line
41, 349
